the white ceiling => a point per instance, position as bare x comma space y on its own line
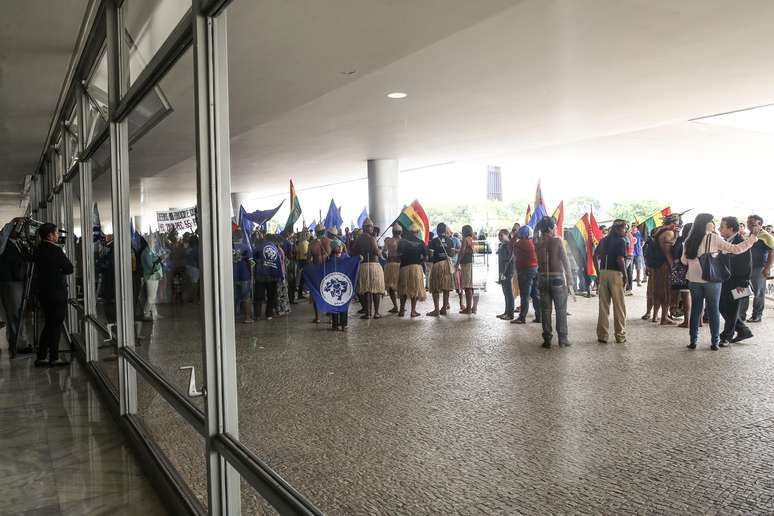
487, 80
36, 43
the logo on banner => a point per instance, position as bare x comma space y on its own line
336, 288
270, 253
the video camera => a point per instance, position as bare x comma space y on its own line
26, 229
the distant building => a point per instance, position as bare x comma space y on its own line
494, 184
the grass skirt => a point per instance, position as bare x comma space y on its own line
466, 275
391, 274
441, 277
370, 279
411, 282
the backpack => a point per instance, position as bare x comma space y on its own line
654, 258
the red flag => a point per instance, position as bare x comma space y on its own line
558, 216
594, 231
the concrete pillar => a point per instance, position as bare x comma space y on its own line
139, 224
238, 198
383, 182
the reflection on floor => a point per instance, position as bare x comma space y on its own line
470, 415
61, 451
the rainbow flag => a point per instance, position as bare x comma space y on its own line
539, 202
528, 215
415, 214
584, 239
558, 217
295, 211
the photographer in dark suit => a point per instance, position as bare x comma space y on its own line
51, 266
740, 266
13, 272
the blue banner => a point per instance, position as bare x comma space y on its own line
333, 283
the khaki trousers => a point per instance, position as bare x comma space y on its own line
611, 288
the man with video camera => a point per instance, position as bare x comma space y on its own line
51, 266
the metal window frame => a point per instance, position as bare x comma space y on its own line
122, 245
228, 461
213, 174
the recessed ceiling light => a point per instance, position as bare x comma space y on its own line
397, 95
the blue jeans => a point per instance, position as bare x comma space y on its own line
528, 287
708, 293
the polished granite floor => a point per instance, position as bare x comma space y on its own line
469, 415
60, 451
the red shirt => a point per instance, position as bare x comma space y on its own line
526, 257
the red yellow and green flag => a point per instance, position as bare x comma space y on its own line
415, 214
528, 215
653, 221
295, 210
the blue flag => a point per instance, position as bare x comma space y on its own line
539, 213
362, 217
136, 238
260, 217
333, 218
333, 283
312, 225
248, 227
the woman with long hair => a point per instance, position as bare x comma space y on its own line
704, 240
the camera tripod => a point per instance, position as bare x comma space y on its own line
26, 298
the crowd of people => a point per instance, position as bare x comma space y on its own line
696, 274
268, 273
693, 277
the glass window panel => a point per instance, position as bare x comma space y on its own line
308, 102
71, 136
78, 234
96, 102
100, 238
178, 440
162, 179
148, 24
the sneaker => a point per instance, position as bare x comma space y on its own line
714, 347
742, 336
518, 321
564, 344
692, 345
754, 319
546, 344
620, 341
602, 341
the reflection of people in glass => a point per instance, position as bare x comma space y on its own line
151, 274
13, 272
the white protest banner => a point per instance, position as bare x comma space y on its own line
181, 220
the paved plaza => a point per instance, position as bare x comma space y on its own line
469, 415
